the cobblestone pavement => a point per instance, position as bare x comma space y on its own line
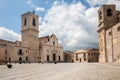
61, 71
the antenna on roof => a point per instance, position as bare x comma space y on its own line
33, 11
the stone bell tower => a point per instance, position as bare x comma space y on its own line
106, 19
30, 32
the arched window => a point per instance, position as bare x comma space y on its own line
26, 58
109, 12
20, 52
53, 42
100, 15
25, 22
34, 22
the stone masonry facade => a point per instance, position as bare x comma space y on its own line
109, 33
31, 48
86, 56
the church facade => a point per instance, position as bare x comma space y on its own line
32, 48
109, 33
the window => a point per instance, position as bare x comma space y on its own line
84, 59
80, 59
59, 58
25, 22
34, 22
89, 60
20, 52
76, 57
26, 58
5, 58
84, 55
9, 59
53, 42
88, 53
118, 29
20, 60
54, 57
100, 15
109, 12
110, 33
118, 19
47, 57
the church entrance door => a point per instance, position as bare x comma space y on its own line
54, 57
20, 60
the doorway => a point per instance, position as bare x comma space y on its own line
26, 58
20, 60
54, 57
9, 60
59, 58
80, 59
48, 58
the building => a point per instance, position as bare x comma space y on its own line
50, 49
32, 48
68, 56
89, 55
2, 55
108, 33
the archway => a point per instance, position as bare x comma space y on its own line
54, 57
20, 60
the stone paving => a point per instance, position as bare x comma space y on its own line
61, 71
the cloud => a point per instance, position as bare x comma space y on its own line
39, 9
116, 2
101, 2
29, 2
74, 25
33, 6
9, 35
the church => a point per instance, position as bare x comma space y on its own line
109, 33
31, 48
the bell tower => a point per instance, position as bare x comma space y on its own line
106, 19
30, 30
30, 33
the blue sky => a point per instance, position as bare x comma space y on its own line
68, 19
11, 10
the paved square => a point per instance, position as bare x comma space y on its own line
61, 71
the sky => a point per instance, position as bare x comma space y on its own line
74, 22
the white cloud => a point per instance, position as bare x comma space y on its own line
29, 1
39, 9
9, 34
101, 2
74, 25
32, 5
116, 2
